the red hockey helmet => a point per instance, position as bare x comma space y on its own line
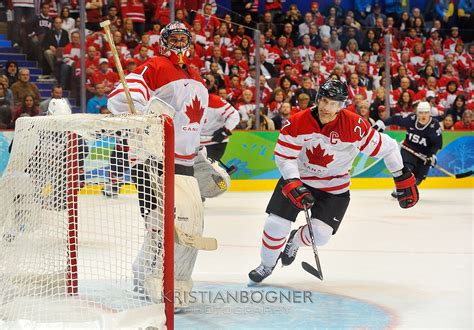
175, 41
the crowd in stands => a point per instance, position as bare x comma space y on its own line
430, 61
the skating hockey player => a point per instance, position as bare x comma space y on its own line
423, 136
314, 154
167, 77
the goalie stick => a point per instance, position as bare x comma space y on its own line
197, 242
445, 171
310, 269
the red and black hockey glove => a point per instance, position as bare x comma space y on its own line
221, 134
407, 192
297, 193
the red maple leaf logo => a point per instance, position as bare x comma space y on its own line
317, 156
194, 111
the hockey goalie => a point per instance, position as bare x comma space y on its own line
166, 84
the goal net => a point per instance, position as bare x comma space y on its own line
71, 241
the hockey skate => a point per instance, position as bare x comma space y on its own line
394, 194
259, 274
289, 253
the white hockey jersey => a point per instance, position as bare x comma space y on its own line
219, 114
182, 89
323, 157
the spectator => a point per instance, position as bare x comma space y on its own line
369, 39
27, 107
129, 36
135, 11
372, 17
71, 60
325, 30
354, 87
304, 27
364, 111
302, 104
130, 65
448, 123
275, 102
11, 71
98, 101
24, 87
364, 79
306, 88
267, 23
5, 110
466, 123
122, 50
6, 86
404, 104
283, 115
293, 16
22, 11
458, 108
68, 22
447, 98
318, 18
266, 124
377, 108
38, 28
246, 108
93, 14
56, 93
104, 75
334, 42
54, 42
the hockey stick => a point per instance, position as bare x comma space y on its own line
310, 269
118, 64
197, 242
445, 171
229, 169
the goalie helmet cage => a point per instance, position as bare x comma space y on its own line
71, 258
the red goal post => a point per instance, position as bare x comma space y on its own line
68, 255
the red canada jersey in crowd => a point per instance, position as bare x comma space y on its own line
183, 89
323, 157
220, 113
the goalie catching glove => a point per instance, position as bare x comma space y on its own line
213, 180
221, 134
298, 194
407, 192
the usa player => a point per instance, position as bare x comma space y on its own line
168, 77
314, 153
423, 136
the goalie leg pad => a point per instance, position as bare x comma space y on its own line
189, 219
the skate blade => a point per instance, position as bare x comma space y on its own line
251, 284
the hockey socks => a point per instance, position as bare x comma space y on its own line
275, 231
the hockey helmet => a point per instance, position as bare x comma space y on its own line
333, 89
175, 50
58, 107
423, 107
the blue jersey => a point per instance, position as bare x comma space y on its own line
425, 139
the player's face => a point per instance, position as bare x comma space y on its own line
327, 109
423, 117
178, 40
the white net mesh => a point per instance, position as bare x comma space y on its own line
74, 247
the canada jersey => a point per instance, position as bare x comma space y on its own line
425, 139
219, 114
183, 90
323, 157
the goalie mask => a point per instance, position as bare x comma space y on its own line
175, 41
58, 107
